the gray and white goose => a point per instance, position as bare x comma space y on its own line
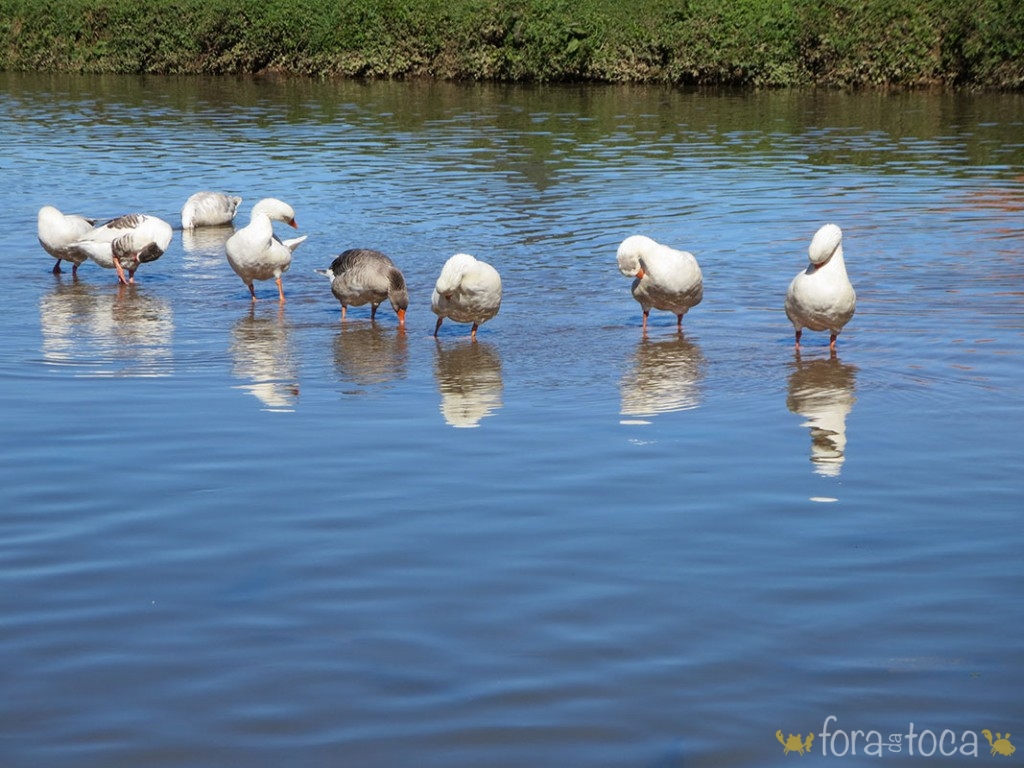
364, 276
126, 242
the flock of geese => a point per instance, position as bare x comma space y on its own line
820, 297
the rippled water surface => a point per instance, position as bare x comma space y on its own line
256, 535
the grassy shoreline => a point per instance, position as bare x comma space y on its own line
761, 43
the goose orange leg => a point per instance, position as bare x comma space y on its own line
120, 272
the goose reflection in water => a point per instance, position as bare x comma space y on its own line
665, 377
821, 390
469, 378
369, 355
121, 331
263, 355
204, 251
65, 316
206, 241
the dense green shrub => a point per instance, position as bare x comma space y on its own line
850, 43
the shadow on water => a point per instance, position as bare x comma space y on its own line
821, 390
119, 330
470, 381
263, 355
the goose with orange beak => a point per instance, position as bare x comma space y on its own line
365, 276
664, 278
256, 253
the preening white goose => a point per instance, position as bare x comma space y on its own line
361, 275
255, 253
468, 291
664, 277
126, 242
57, 233
209, 209
821, 297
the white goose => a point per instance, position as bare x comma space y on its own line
361, 275
58, 231
664, 277
468, 291
821, 297
126, 242
208, 209
255, 253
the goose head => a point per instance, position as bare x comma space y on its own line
455, 269
276, 210
49, 214
154, 236
631, 251
398, 294
825, 243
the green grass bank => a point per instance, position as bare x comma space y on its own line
837, 43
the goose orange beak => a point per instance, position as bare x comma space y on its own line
640, 274
401, 318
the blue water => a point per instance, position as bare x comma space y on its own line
254, 535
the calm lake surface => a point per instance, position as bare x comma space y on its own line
256, 535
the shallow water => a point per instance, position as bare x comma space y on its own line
237, 534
